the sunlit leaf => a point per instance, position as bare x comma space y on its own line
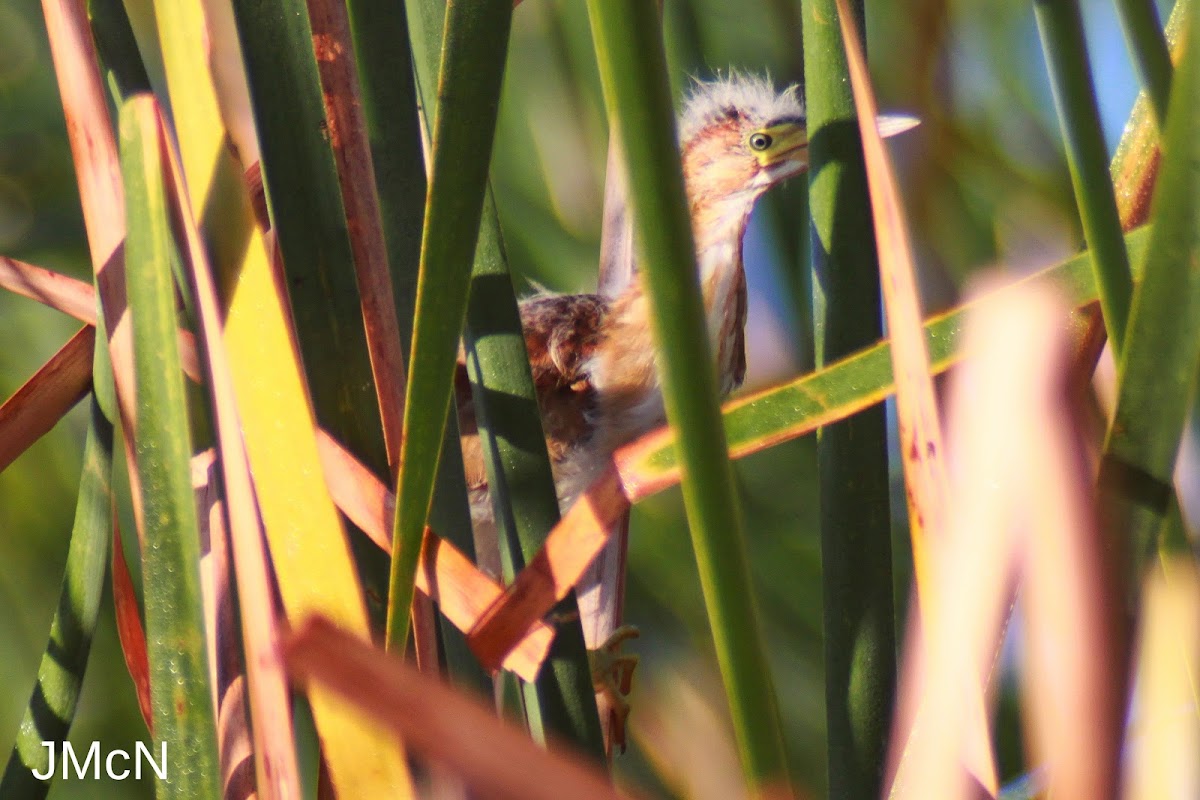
269, 702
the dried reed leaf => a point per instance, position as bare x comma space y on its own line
1073, 694
569, 549
129, 626
442, 724
1011, 357
47, 396
73, 297
77, 299
356, 174
916, 406
921, 449
225, 673
101, 195
444, 574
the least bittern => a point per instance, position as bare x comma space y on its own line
592, 355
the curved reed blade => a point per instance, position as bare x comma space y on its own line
50, 712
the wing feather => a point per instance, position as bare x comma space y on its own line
561, 333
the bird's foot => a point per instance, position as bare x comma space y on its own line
612, 678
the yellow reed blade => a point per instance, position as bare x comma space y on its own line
307, 542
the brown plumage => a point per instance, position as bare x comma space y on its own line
592, 356
562, 333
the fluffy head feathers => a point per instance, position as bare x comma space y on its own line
752, 98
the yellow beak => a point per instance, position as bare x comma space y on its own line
789, 144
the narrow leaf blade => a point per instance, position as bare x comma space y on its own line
179, 685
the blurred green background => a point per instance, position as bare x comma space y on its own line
986, 184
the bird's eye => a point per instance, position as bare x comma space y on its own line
759, 141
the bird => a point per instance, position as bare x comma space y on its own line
592, 355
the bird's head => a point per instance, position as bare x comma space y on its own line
739, 136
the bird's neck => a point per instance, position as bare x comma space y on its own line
719, 227
624, 372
